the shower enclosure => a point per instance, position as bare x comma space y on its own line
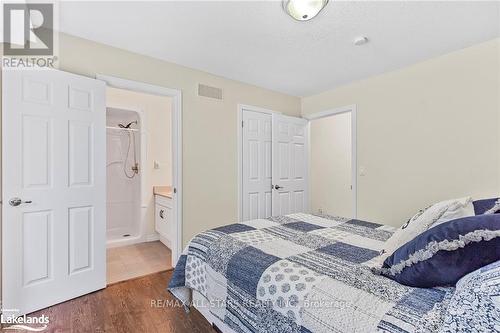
123, 141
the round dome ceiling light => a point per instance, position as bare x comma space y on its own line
303, 10
361, 40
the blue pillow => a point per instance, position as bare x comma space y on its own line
482, 206
443, 254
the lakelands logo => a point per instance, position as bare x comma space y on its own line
28, 34
32, 324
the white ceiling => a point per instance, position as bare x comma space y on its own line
256, 43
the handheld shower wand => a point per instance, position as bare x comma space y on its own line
131, 142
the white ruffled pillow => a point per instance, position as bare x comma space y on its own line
494, 209
425, 219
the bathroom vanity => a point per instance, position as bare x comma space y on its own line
164, 222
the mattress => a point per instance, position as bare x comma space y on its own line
302, 273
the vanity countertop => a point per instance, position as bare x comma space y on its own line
164, 191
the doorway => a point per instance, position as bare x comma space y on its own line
140, 163
139, 159
174, 191
332, 165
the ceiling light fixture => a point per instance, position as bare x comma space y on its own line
361, 40
303, 10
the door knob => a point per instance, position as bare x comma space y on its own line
277, 187
17, 201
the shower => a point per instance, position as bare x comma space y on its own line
124, 149
131, 144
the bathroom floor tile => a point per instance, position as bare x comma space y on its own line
127, 262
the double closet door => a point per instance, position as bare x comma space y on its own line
274, 165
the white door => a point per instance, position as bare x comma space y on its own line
54, 162
289, 165
256, 183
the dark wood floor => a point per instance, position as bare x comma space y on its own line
126, 307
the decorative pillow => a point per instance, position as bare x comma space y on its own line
475, 304
487, 206
445, 253
426, 218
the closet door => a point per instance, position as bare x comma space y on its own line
289, 165
256, 183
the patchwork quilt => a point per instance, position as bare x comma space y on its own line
303, 273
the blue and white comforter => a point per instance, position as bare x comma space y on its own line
303, 273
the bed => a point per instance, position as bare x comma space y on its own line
301, 273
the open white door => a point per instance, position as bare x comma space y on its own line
256, 165
289, 165
54, 165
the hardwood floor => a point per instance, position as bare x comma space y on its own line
126, 307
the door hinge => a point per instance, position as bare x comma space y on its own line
242, 123
175, 190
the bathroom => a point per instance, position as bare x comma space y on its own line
140, 225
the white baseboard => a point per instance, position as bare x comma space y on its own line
152, 237
133, 240
124, 242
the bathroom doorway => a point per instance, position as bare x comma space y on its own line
140, 172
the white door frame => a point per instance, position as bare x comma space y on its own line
354, 154
176, 96
241, 108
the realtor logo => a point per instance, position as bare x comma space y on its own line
28, 29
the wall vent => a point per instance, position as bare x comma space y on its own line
210, 92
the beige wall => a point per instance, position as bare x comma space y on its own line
425, 133
156, 130
330, 165
209, 126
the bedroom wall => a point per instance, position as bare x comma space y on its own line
209, 126
427, 132
330, 168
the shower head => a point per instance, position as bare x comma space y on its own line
128, 125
